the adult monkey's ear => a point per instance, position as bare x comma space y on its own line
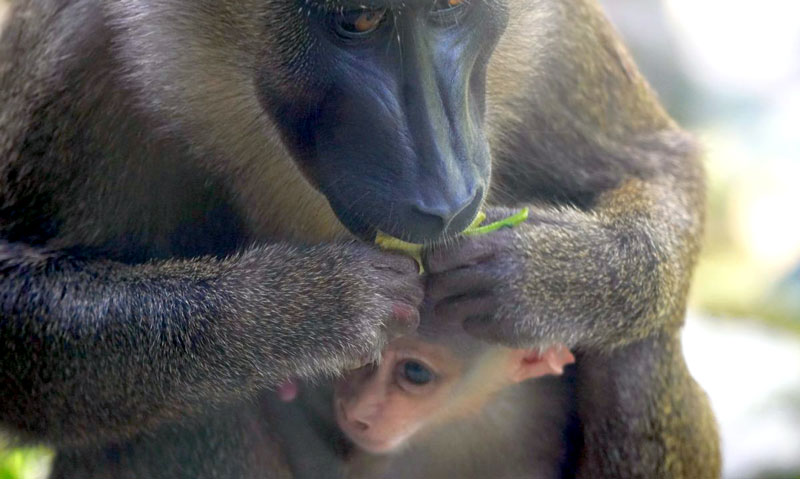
527, 364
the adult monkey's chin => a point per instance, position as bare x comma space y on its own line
361, 230
356, 226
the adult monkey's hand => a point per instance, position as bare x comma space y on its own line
586, 279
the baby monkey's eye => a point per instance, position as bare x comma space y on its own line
417, 373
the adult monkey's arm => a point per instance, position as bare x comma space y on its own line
603, 265
93, 350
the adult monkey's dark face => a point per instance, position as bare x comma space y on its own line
382, 103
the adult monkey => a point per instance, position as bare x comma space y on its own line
146, 144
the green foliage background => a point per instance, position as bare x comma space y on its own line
25, 463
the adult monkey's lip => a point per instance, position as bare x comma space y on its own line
414, 250
359, 229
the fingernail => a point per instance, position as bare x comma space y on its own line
405, 319
287, 391
404, 312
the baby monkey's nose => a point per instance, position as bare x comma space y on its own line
356, 423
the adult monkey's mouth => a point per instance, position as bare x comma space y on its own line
414, 250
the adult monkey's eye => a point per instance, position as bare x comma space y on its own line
417, 373
447, 5
359, 23
447, 11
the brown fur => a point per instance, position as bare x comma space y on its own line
137, 169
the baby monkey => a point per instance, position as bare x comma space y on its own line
440, 404
421, 384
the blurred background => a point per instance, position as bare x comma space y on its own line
728, 70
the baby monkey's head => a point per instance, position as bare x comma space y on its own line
424, 381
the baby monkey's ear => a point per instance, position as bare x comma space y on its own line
526, 364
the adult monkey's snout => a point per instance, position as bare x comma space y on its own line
396, 141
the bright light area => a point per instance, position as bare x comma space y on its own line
3, 12
751, 375
744, 56
739, 44
761, 186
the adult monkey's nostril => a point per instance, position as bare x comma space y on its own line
430, 221
443, 212
464, 218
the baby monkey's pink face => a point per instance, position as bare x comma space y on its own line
420, 384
